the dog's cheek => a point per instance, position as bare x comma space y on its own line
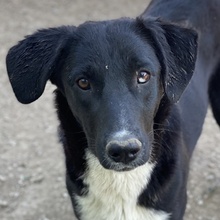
149, 112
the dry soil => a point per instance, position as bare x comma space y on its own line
31, 160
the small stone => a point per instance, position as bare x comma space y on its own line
3, 204
23, 165
200, 202
59, 179
65, 195
23, 179
14, 194
210, 177
188, 207
2, 178
37, 179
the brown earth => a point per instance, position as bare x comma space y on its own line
31, 160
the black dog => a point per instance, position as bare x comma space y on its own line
127, 128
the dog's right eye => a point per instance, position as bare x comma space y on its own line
83, 83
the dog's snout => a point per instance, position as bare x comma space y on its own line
124, 151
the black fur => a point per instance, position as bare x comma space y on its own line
35, 60
159, 114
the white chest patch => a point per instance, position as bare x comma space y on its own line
113, 195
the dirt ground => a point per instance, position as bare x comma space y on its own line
31, 160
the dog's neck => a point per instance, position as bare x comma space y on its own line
114, 195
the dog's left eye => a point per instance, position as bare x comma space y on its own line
143, 76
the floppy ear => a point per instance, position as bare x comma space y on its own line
36, 59
176, 49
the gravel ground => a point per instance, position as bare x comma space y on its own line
31, 159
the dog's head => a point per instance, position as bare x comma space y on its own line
113, 75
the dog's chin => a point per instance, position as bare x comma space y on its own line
121, 168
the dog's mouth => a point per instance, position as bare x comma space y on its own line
94, 162
122, 167
125, 169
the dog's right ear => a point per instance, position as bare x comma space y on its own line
36, 59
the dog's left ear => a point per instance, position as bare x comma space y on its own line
176, 49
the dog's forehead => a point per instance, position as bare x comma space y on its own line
116, 42
100, 28
106, 36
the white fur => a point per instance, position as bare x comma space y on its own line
113, 195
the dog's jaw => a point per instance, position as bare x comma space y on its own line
114, 195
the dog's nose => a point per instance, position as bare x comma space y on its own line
124, 151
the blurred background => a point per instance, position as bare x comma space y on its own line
32, 185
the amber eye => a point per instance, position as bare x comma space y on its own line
83, 84
143, 76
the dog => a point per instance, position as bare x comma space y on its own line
131, 97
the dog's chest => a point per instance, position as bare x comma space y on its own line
113, 195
